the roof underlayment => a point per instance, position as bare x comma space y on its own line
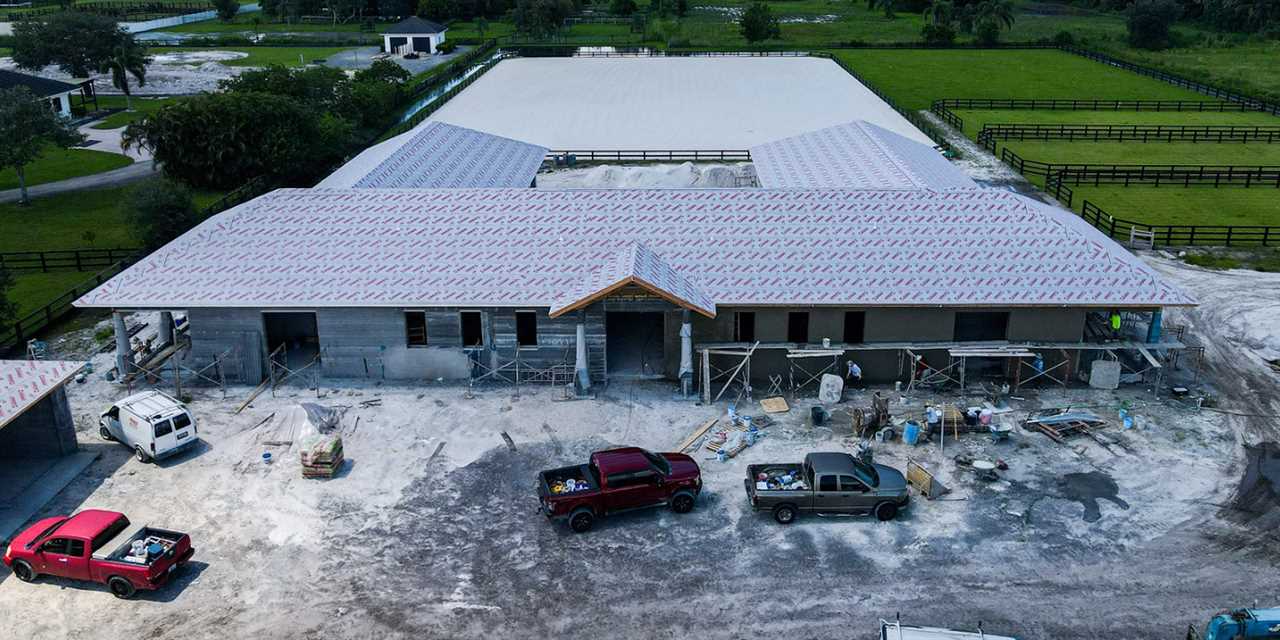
440, 155
23, 383
313, 248
854, 155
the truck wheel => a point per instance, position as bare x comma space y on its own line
105, 433
24, 571
886, 511
784, 514
141, 455
682, 503
582, 521
121, 587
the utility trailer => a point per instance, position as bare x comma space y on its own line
897, 631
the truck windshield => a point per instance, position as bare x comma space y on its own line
44, 534
110, 532
658, 463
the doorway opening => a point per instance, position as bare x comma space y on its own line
297, 333
635, 344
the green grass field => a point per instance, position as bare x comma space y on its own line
915, 78
263, 56
34, 290
974, 119
60, 221
1185, 205
142, 107
60, 164
1061, 151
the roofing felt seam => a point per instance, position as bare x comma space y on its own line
530, 247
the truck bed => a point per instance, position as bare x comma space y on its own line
117, 550
580, 474
774, 473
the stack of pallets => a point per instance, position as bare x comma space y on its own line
322, 458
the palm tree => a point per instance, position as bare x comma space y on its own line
127, 59
939, 12
999, 12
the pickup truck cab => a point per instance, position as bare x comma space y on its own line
152, 423
99, 546
618, 480
826, 484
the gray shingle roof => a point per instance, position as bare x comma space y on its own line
414, 24
41, 87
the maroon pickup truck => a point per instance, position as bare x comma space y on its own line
100, 546
618, 480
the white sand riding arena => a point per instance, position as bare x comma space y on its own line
696, 103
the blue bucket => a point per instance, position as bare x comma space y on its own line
911, 434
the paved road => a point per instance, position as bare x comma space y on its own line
107, 140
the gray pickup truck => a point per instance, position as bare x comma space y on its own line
826, 484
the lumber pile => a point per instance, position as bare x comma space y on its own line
1061, 426
322, 456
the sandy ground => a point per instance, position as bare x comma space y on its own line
683, 175
168, 74
431, 530
648, 103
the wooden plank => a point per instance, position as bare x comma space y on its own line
775, 405
697, 433
1155, 364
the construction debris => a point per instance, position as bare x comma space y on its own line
774, 405
921, 480
506, 437
1064, 424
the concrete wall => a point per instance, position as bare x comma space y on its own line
45, 430
236, 331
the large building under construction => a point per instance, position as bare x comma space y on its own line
429, 256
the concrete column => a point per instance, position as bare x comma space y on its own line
124, 353
1153, 331
582, 373
686, 353
166, 327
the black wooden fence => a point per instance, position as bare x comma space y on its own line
704, 155
69, 260
136, 11
1177, 235
991, 133
1156, 175
943, 108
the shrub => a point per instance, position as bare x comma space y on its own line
1149, 22
448, 46
987, 33
1064, 39
938, 34
758, 23
161, 210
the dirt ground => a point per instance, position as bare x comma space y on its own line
431, 530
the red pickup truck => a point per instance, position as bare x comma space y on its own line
618, 480
100, 546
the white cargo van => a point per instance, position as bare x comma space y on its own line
152, 423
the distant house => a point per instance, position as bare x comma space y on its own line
56, 92
413, 34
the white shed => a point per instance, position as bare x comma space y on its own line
413, 34
55, 92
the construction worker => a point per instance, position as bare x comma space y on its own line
1116, 321
853, 375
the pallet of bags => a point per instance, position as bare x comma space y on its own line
321, 456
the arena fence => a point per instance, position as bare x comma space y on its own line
991, 133
1180, 235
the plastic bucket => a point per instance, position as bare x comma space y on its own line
911, 434
266, 457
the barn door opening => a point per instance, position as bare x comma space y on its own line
635, 344
296, 332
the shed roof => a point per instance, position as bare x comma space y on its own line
310, 248
636, 265
439, 154
23, 383
414, 24
854, 155
41, 87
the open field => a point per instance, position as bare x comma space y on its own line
60, 164
60, 222
1184, 205
975, 118
428, 470
1249, 67
1063, 151
915, 78
34, 290
142, 107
